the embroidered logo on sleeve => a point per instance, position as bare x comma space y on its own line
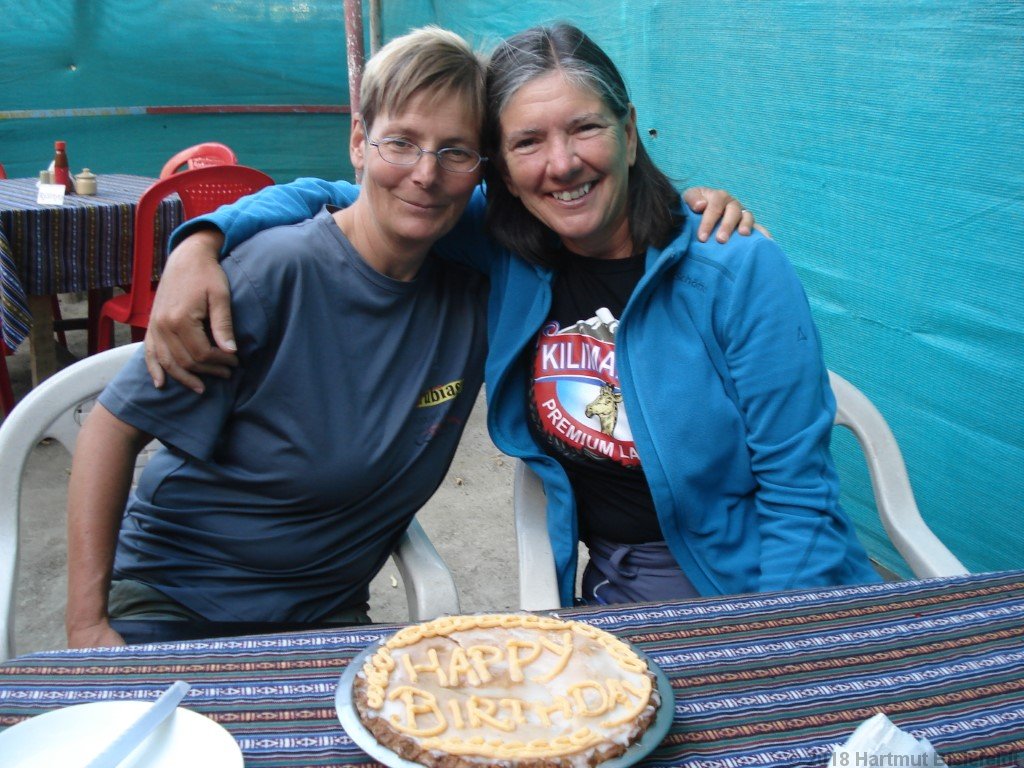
440, 394
576, 390
432, 423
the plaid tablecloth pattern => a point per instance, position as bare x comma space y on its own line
769, 680
15, 319
85, 243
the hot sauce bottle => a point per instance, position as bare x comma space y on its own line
61, 173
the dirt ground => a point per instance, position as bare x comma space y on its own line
469, 520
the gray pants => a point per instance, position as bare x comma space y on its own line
142, 614
633, 573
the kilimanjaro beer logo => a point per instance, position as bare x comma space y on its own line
576, 389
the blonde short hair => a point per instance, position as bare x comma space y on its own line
426, 60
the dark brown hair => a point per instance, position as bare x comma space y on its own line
653, 205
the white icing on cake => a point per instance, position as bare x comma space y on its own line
514, 687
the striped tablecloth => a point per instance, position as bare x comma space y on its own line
85, 243
762, 680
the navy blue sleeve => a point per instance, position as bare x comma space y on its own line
177, 416
174, 415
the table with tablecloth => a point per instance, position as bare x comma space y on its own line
80, 246
768, 680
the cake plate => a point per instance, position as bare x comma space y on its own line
349, 717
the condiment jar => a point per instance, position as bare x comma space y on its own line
85, 182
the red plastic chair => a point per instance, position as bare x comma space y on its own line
3, 173
199, 156
201, 191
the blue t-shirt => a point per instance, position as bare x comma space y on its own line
283, 490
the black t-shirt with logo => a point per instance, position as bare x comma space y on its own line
575, 401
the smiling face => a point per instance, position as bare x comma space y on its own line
566, 156
403, 209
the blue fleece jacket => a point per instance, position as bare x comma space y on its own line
722, 376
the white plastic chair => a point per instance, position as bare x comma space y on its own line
56, 409
926, 555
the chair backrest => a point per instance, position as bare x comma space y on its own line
56, 409
925, 554
201, 191
199, 156
3, 173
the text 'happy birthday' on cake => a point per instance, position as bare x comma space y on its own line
511, 689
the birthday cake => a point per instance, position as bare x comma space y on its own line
510, 689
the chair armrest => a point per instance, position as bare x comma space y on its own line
924, 552
429, 586
538, 582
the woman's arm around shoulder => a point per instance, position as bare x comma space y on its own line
719, 209
270, 207
193, 286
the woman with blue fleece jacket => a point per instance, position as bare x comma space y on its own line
670, 393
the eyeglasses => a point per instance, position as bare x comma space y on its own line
402, 152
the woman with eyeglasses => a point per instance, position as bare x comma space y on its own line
281, 491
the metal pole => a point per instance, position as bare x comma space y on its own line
354, 48
376, 32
